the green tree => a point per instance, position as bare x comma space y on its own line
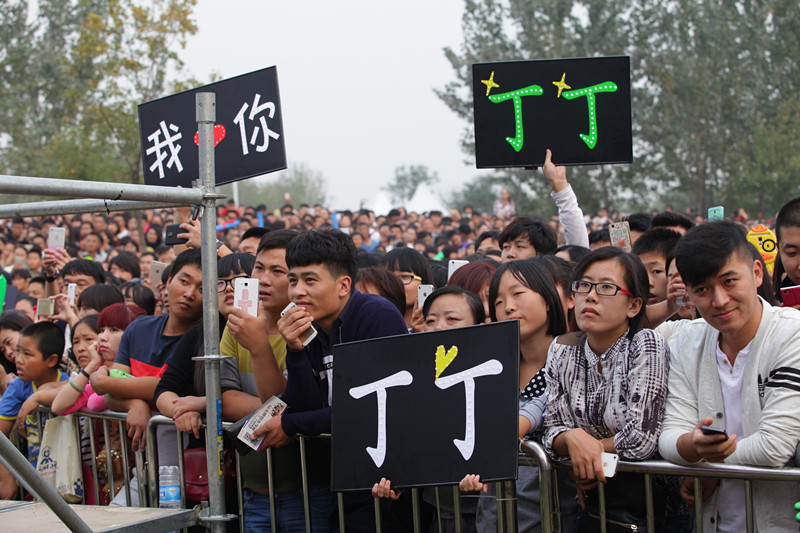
303, 184
73, 76
705, 74
407, 179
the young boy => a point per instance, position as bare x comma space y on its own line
653, 247
39, 351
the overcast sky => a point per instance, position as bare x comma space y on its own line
356, 80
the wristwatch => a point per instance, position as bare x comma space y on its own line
51, 279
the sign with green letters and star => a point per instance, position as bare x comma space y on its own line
578, 108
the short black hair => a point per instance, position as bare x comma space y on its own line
539, 233
276, 239
537, 278
187, 257
670, 219
474, 302
329, 247
705, 249
409, 260
239, 263
575, 252
635, 279
141, 295
14, 320
600, 235
23, 273
255, 231
49, 338
128, 262
640, 222
491, 235
788, 217
98, 297
659, 240
84, 267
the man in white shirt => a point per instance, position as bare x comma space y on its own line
737, 369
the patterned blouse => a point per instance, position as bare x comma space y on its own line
626, 400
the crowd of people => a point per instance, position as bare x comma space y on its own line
634, 353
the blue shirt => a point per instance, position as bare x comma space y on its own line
10, 403
365, 316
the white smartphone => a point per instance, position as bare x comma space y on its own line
71, 293
56, 238
453, 265
156, 269
423, 291
610, 461
308, 335
245, 295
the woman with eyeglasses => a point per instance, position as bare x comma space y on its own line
413, 270
607, 386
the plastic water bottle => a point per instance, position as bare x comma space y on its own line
169, 487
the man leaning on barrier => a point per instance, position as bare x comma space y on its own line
737, 369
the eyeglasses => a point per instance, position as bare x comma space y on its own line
602, 289
408, 278
222, 284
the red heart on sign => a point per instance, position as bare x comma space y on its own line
219, 134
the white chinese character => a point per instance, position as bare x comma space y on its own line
490, 368
400, 379
264, 130
169, 142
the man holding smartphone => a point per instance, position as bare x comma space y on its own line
737, 370
322, 268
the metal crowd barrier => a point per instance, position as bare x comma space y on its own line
531, 454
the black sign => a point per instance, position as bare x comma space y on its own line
426, 408
248, 134
578, 108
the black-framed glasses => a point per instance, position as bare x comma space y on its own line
222, 284
602, 288
408, 278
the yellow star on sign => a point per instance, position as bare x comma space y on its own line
561, 85
489, 84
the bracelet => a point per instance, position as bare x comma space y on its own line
74, 386
82, 371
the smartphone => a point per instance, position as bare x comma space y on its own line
45, 307
711, 430
171, 235
790, 296
56, 238
423, 291
716, 213
71, 288
156, 269
620, 235
308, 335
245, 295
610, 461
453, 265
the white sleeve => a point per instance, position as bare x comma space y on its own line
571, 217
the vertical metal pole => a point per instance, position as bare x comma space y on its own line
601, 495
507, 506
457, 507
748, 502
415, 509
698, 504
304, 475
206, 114
648, 494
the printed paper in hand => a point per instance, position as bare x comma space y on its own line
273, 407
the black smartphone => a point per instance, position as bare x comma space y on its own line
171, 235
711, 430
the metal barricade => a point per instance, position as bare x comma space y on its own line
651, 468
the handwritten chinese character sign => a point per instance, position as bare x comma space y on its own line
427, 408
579, 108
248, 135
